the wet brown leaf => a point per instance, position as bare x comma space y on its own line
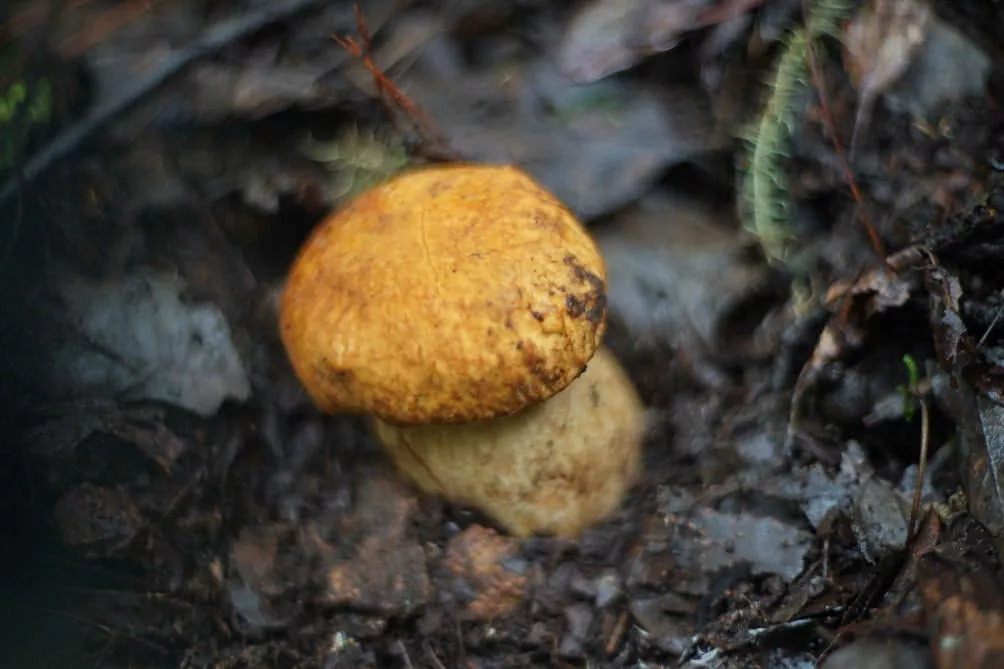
387, 571
963, 597
477, 556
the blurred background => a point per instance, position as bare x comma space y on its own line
799, 203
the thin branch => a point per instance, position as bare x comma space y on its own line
393, 98
214, 39
925, 438
110, 631
432, 656
861, 211
404, 654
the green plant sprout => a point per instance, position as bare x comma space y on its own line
909, 390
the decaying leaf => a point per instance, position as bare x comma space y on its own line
879, 45
476, 558
874, 292
980, 419
880, 41
136, 338
607, 36
98, 520
63, 427
963, 598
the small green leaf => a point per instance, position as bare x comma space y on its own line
907, 391
913, 376
17, 92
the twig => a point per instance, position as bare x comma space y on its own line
460, 641
918, 493
404, 655
15, 225
150, 596
992, 325
215, 38
393, 98
111, 632
861, 208
617, 634
432, 656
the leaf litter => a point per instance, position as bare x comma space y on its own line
772, 525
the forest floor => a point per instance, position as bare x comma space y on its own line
803, 222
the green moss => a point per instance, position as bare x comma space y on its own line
23, 108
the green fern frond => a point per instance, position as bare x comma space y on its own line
766, 184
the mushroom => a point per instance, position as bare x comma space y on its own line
457, 306
555, 467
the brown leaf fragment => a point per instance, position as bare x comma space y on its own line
477, 558
387, 572
878, 290
965, 609
852, 302
98, 520
388, 579
64, 426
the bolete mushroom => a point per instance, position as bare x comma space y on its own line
458, 305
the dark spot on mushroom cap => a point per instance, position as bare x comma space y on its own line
592, 302
341, 380
438, 187
547, 374
336, 375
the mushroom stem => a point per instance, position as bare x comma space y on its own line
552, 468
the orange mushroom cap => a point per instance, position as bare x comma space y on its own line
446, 294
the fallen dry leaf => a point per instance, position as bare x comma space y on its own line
852, 304
476, 556
879, 45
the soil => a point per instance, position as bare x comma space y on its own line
173, 498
